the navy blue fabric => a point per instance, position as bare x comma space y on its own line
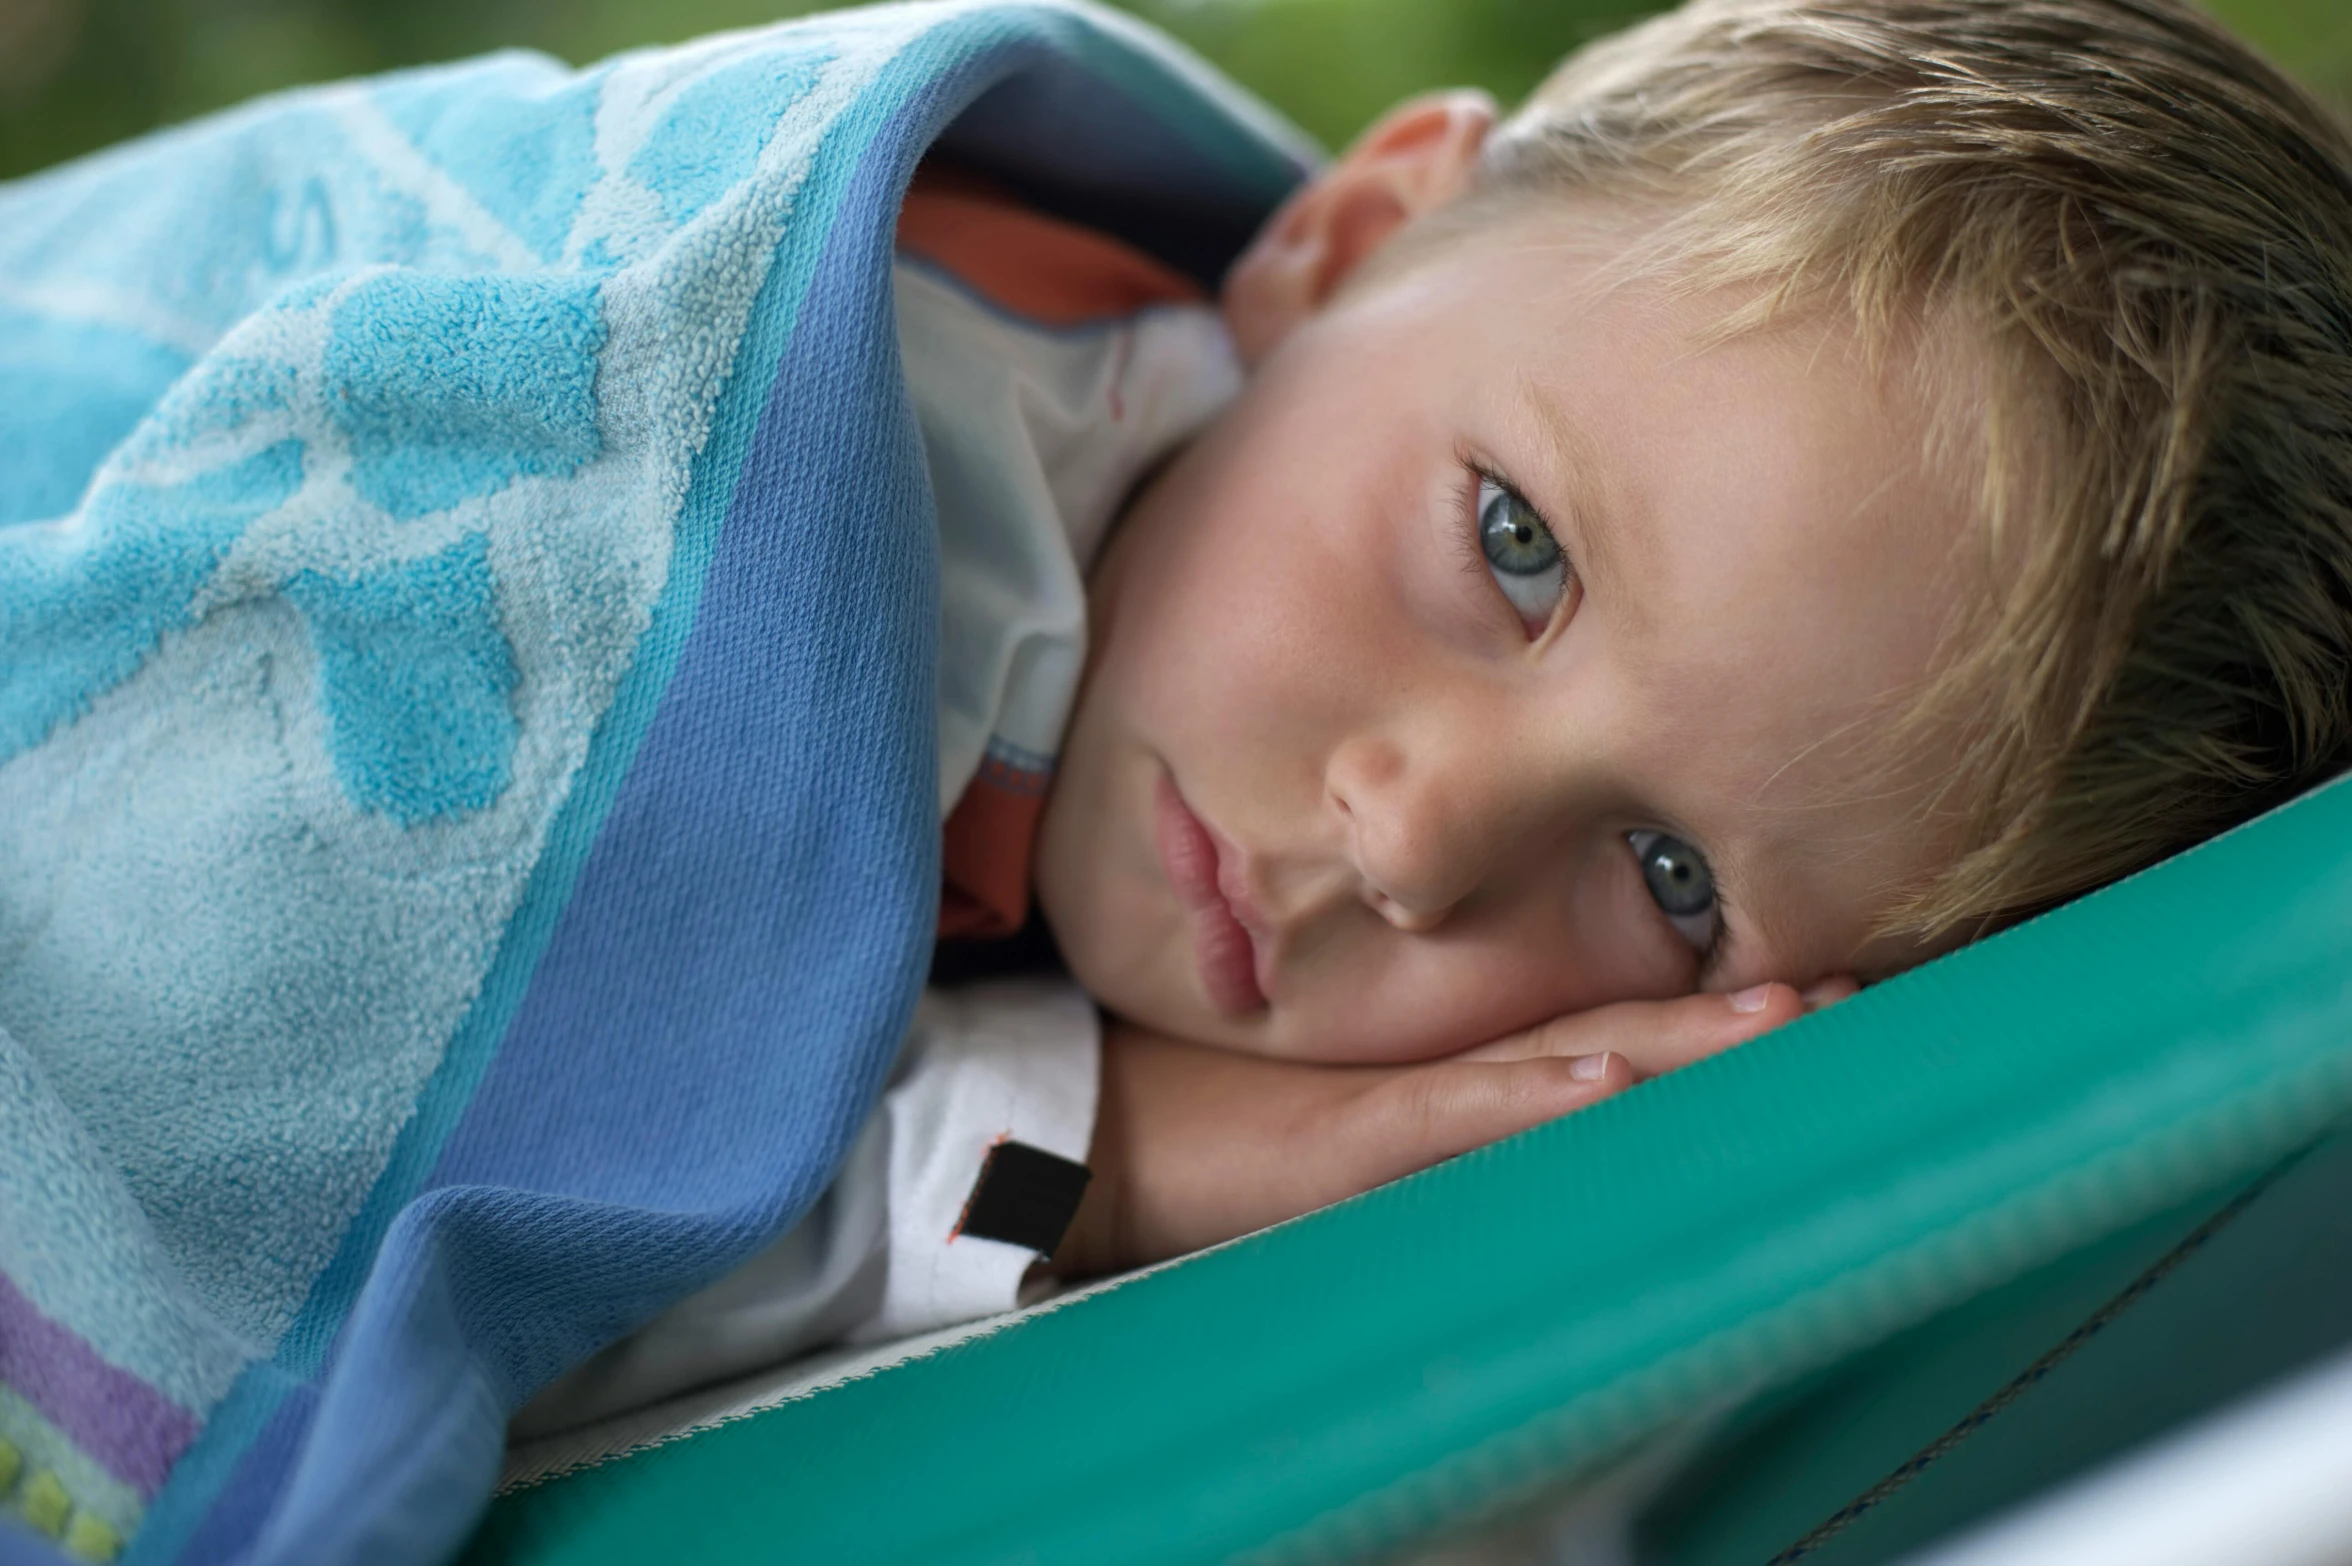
1075, 138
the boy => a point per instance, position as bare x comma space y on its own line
1821, 482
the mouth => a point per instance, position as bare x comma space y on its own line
1221, 944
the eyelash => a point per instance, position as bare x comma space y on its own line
1714, 952
1466, 507
1466, 542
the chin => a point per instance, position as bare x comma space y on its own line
1145, 995
1117, 974
1137, 995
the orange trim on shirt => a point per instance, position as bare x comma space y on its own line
1056, 274
984, 858
1053, 272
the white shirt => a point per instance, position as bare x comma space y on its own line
1034, 437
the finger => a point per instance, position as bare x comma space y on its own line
1431, 1113
1822, 994
1656, 1036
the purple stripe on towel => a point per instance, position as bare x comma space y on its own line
120, 1422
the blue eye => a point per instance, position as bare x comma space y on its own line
1680, 884
1521, 553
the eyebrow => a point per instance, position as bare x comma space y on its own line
1597, 553
1766, 935
1734, 938
1598, 519
1579, 468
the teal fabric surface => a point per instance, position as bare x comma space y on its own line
1424, 1354
2267, 1293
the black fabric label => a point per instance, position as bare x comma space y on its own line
1025, 1196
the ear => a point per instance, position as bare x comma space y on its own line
1413, 159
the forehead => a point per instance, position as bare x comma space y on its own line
1770, 536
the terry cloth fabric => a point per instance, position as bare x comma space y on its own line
468, 633
1051, 367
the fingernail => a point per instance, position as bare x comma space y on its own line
1589, 1068
1752, 998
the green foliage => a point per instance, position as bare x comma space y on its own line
77, 74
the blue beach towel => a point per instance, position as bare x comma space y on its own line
468, 839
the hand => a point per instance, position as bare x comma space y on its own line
1194, 1145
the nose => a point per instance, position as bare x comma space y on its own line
1423, 821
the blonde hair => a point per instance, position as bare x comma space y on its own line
2146, 233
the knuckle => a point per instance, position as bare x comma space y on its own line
1413, 1107
1555, 1084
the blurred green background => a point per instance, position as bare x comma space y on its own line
77, 74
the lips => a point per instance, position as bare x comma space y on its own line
1222, 947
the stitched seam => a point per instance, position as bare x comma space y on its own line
2025, 1380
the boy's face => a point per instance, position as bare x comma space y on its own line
1362, 771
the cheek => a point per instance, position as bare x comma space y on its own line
1401, 998
1250, 605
